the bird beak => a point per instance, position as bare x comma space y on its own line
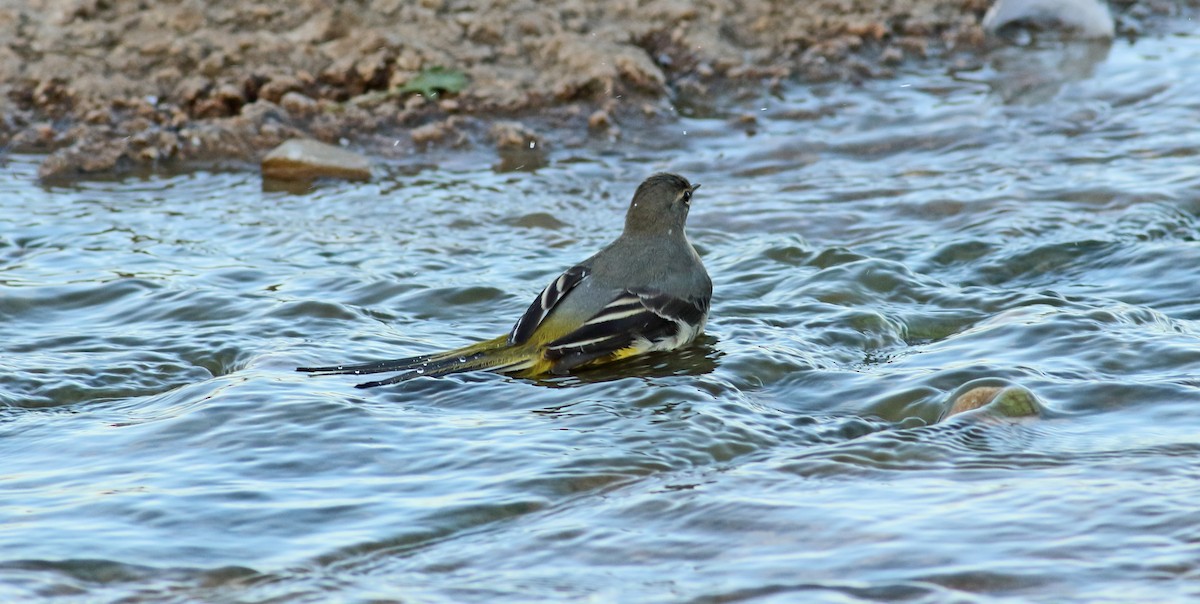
694, 187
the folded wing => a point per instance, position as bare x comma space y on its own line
636, 321
544, 303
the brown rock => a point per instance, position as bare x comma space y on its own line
210, 108
305, 159
891, 55
51, 94
600, 120
514, 135
433, 132
518, 147
276, 87
974, 399
191, 89
998, 401
98, 116
153, 145
231, 96
35, 138
86, 156
298, 105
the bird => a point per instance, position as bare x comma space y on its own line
646, 291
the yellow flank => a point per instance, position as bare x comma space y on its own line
624, 353
540, 367
497, 354
552, 328
495, 344
525, 359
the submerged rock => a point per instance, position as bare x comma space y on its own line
306, 159
1083, 18
1002, 401
519, 148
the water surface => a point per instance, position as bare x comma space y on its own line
1029, 218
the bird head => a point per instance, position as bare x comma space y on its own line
660, 205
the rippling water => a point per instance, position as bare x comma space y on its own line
1029, 219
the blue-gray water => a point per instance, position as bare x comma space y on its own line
1032, 220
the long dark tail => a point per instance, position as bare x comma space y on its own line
372, 367
476, 356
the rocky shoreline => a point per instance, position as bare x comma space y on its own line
107, 87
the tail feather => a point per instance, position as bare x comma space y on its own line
500, 360
492, 355
372, 367
433, 370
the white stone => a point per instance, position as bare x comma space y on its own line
1086, 18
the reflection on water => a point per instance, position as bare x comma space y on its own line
879, 251
1034, 76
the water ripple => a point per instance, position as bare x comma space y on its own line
1026, 219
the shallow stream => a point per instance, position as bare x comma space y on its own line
1030, 218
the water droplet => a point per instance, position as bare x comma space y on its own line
462, 359
420, 370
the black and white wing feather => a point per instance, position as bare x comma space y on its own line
635, 322
544, 303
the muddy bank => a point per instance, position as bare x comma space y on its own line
109, 86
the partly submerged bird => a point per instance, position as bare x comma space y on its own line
647, 291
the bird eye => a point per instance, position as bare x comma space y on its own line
687, 197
